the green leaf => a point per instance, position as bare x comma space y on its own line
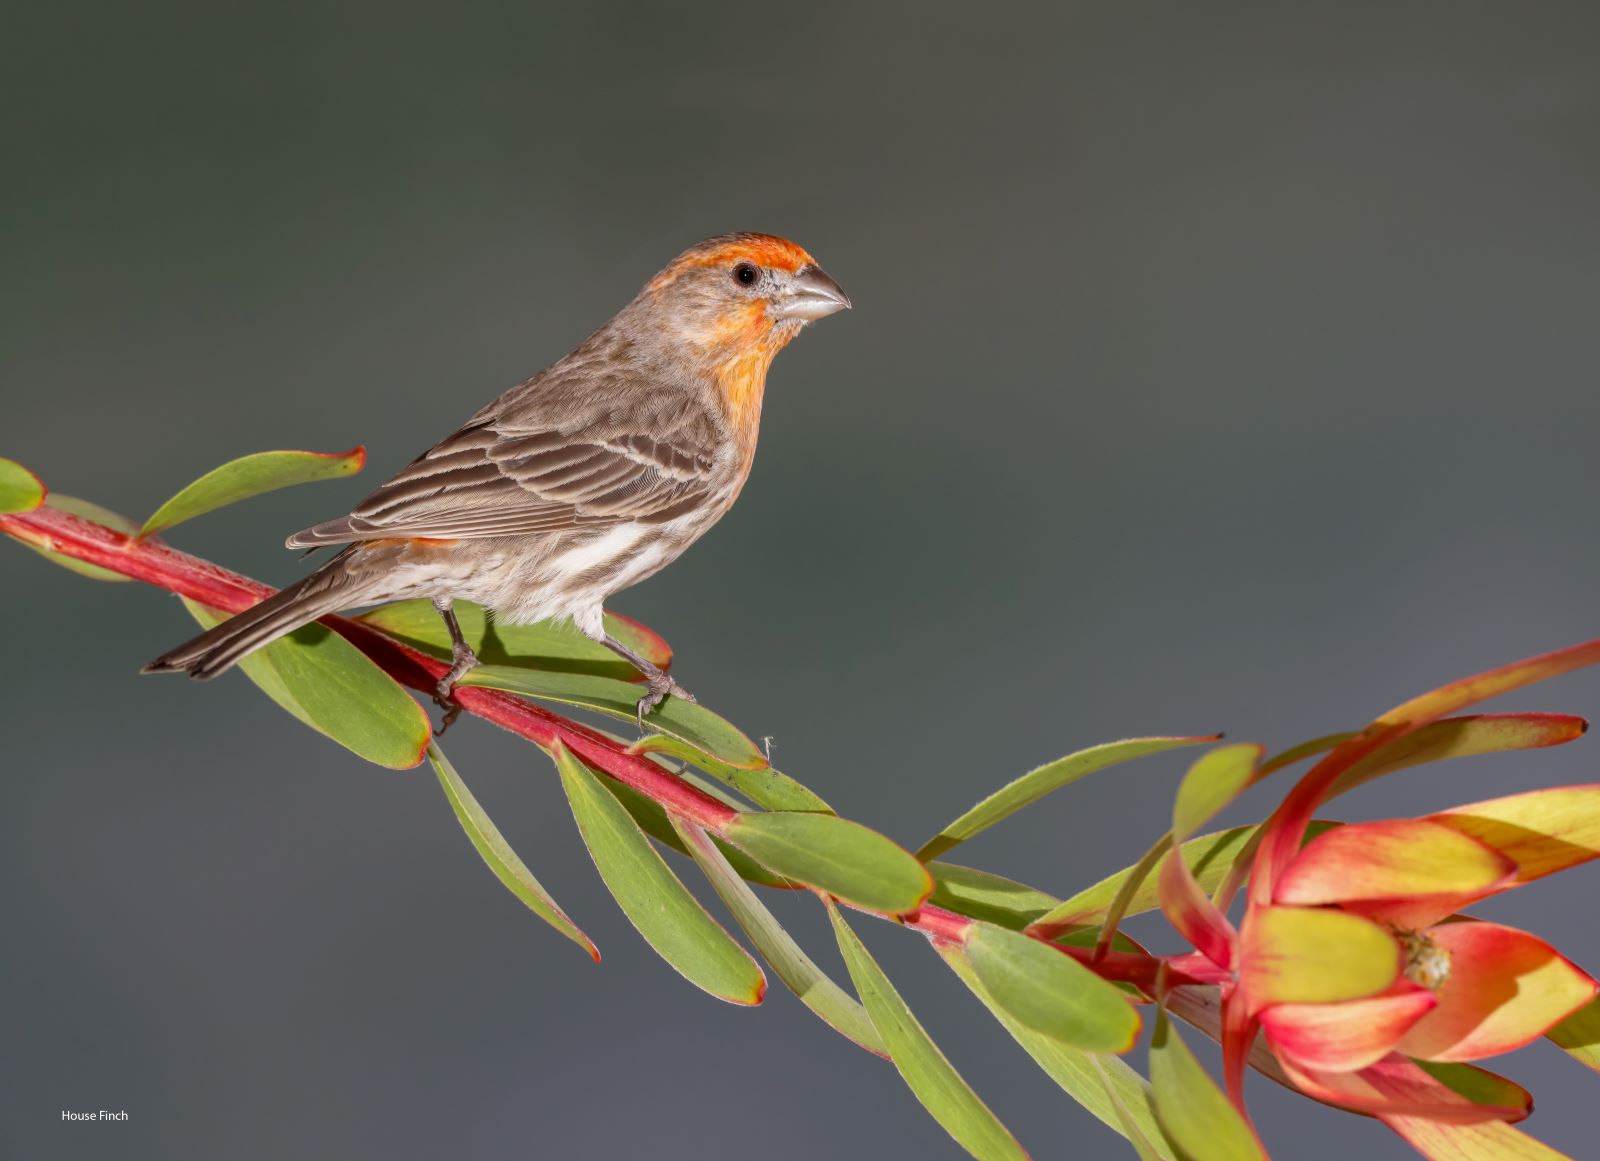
1138, 877
837, 1008
1075, 1070
20, 489
497, 853
1476, 1084
96, 514
654, 899
931, 1077
1197, 1118
1459, 737
1211, 783
710, 787
1208, 856
1477, 1141
1142, 1142
1314, 955
986, 896
684, 720
331, 686
834, 855
766, 788
554, 646
1048, 991
251, 476
1089, 937
1301, 752
1448, 738
1047, 779
1579, 1035
1462, 737
652, 819
1215, 780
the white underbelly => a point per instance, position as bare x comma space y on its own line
571, 580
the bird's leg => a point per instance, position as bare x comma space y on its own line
462, 660
658, 680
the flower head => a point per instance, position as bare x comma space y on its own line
1353, 961
1366, 919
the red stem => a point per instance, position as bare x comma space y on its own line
156, 563
945, 926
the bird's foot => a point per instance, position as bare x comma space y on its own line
660, 686
462, 662
452, 711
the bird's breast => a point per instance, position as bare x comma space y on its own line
743, 384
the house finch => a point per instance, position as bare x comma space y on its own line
583, 480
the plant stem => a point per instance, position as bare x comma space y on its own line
156, 563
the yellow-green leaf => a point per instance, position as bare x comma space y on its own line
554, 646
1479, 1141
836, 1007
767, 788
1147, 1145
987, 896
1314, 955
1462, 737
652, 819
1079, 1073
1043, 781
20, 489
331, 686
1579, 1035
1542, 831
498, 855
251, 476
835, 855
655, 901
1195, 1115
1478, 1085
926, 1071
684, 720
1208, 857
1215, 780
1048, 991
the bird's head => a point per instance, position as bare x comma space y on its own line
740, 295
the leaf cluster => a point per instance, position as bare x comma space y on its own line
697, 786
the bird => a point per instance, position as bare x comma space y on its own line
576, 483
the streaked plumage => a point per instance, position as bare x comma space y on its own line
583, 480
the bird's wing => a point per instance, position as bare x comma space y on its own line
511, 475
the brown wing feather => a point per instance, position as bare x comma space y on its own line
524, 466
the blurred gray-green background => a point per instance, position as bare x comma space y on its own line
1213, 366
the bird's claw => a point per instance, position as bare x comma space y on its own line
443, 698
463, 661
451, 712
660, 687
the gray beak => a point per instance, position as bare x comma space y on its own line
810, 295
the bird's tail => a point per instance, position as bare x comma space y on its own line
329, 589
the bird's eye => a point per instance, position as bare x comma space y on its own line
745, 274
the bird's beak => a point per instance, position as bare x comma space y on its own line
810, 295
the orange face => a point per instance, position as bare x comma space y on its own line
739, 299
